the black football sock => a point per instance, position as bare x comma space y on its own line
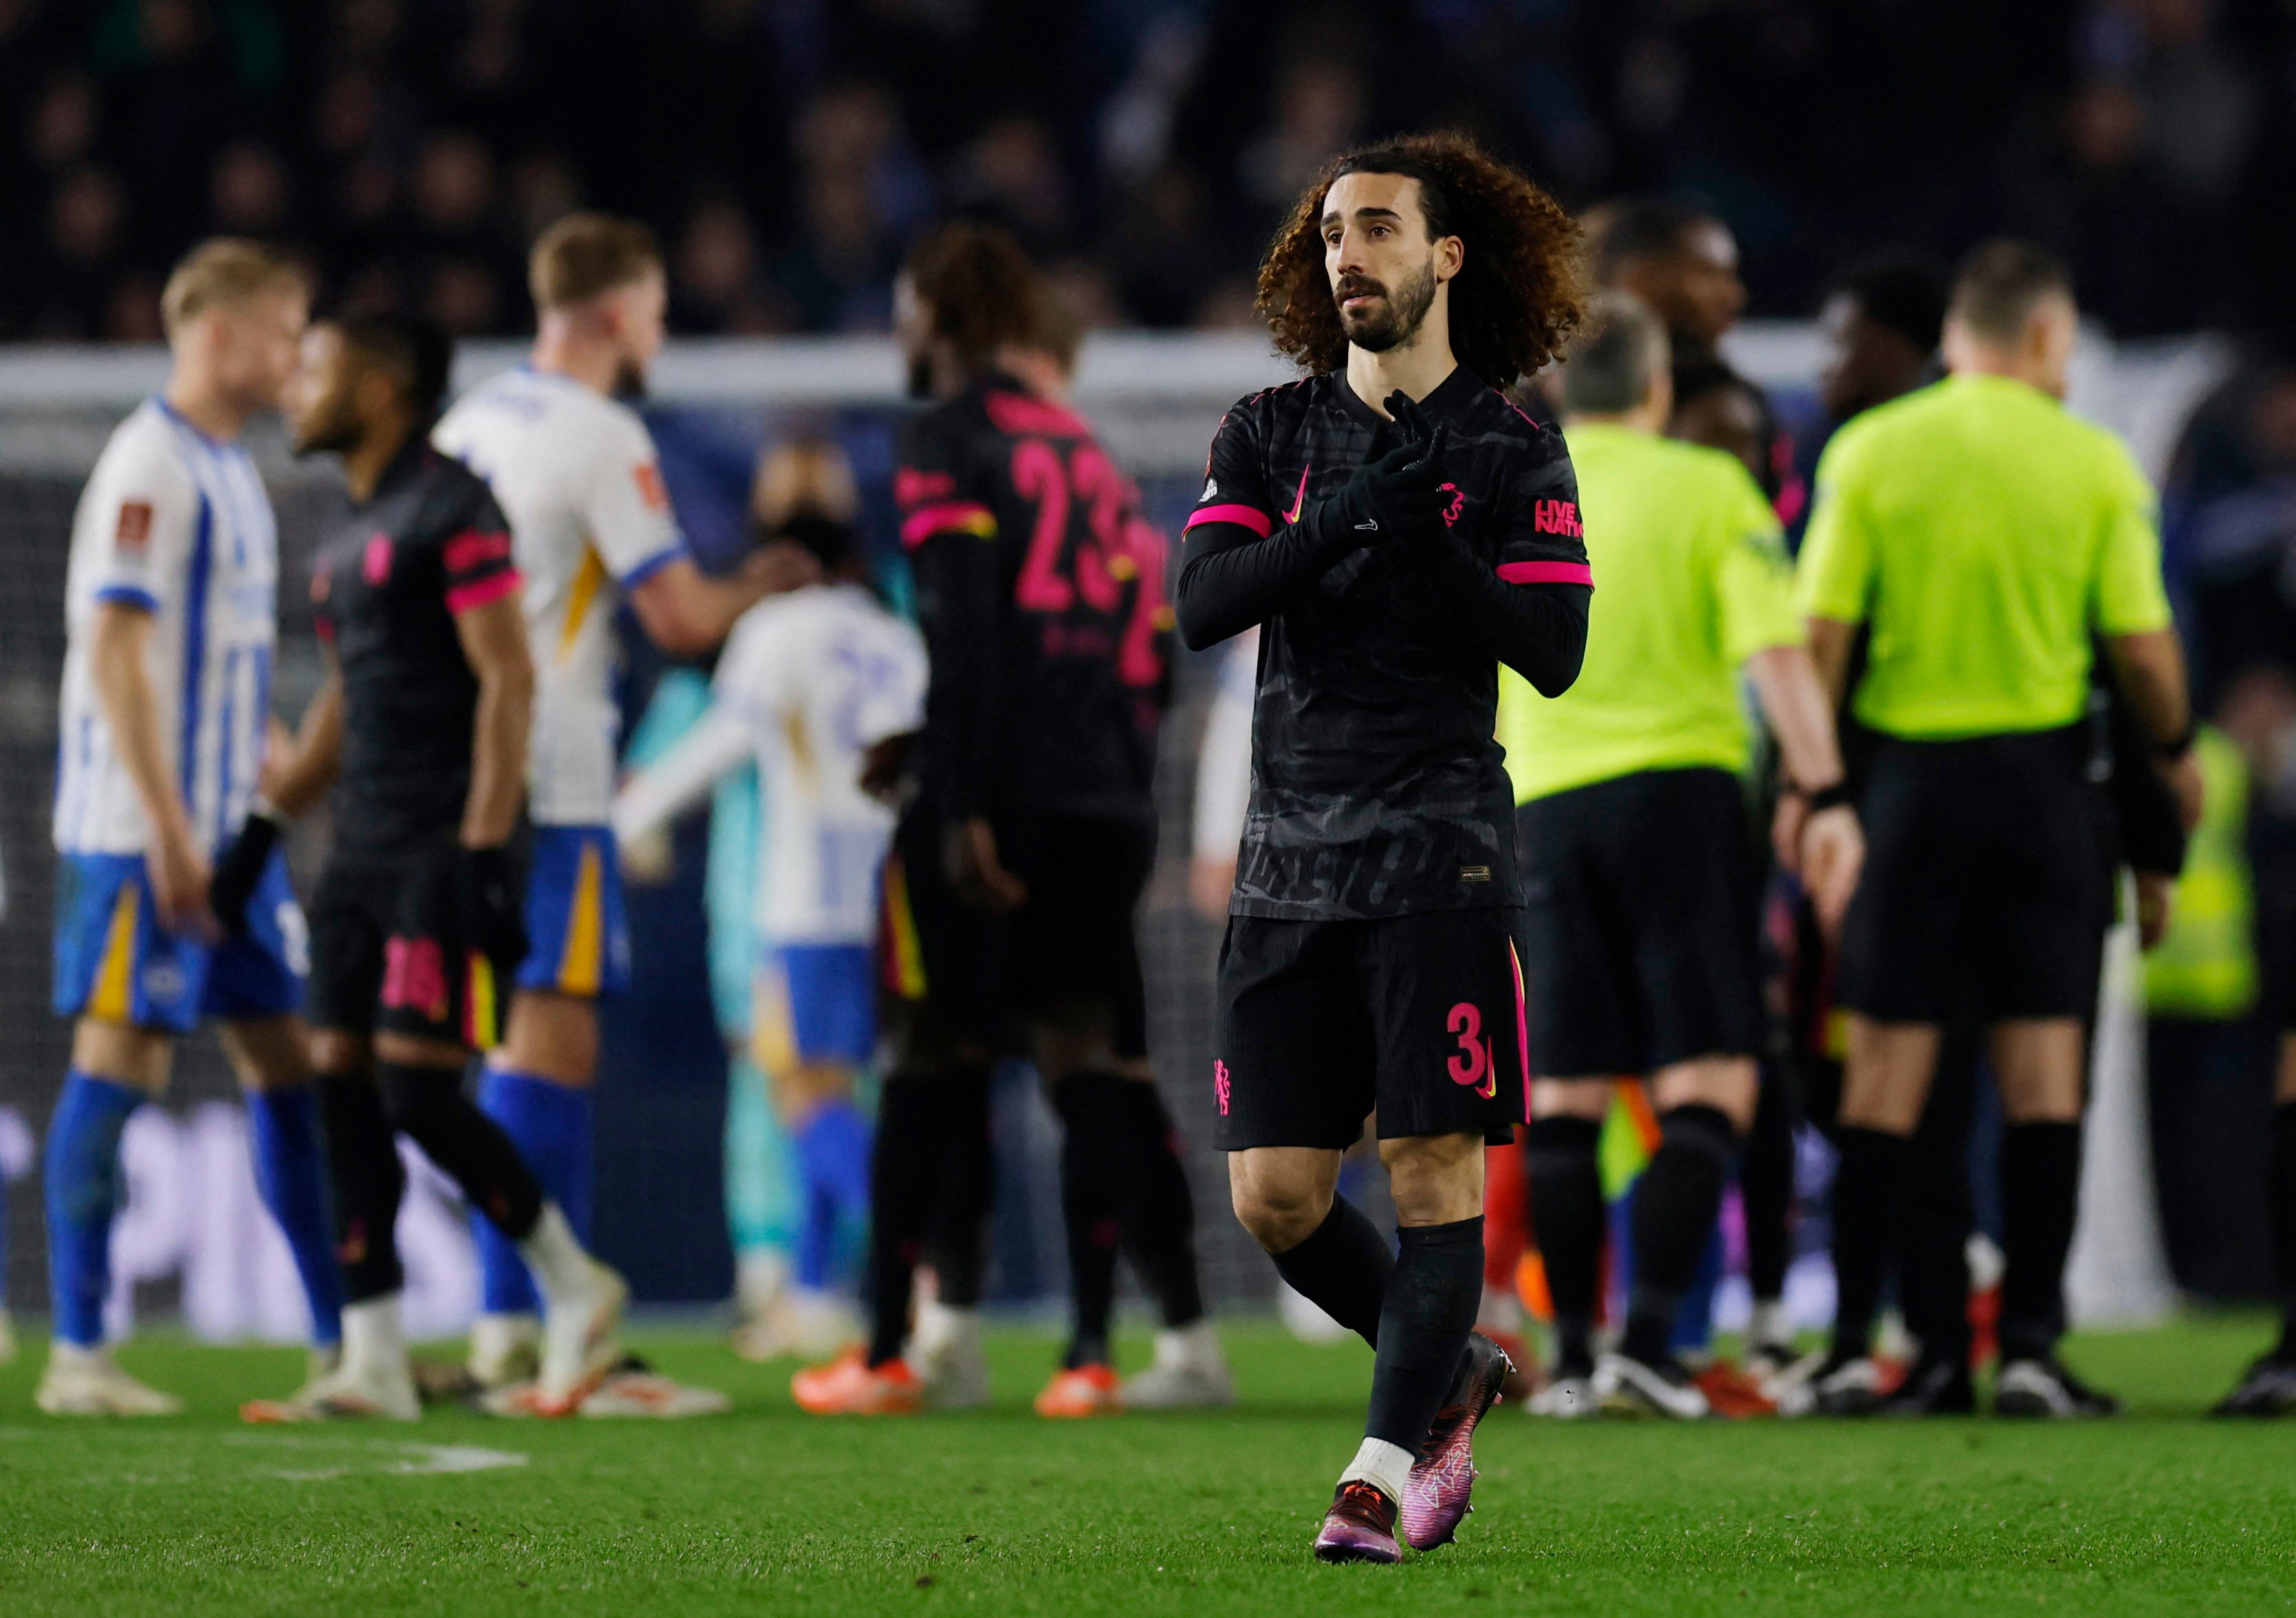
958, 1249
1566, 1223
1095, 1160
429, 1104
1160, 1217
1343, 1268
906, 1170
366, 1181
2040, 1196
1766, 1181
1868, 1219
1423, 1329
1675, 1205
1933, 1273
2281, 1189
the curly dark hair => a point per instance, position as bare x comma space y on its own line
979, 285
1518, 294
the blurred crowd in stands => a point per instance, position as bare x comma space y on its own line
787, 149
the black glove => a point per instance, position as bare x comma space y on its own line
492, 900
240, 868
1395, 493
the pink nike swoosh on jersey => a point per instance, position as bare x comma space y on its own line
1300, 499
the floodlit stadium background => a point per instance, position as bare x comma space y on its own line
787, 150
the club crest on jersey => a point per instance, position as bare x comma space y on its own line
650, 488
1458, 505
375, 564
1557, 517
133, 535
911, 488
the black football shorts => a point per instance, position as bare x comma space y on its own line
984, 976
1639, 925
388, 953
1416, 1018
1982, 856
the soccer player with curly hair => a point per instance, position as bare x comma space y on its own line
1398, 529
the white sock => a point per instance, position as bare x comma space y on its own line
1501, 1309
492, 1336
561, 1267
758, 1277
938, 1327
1382, 1465
372, 1340
1195, 1343
1769, 1328
73, 1355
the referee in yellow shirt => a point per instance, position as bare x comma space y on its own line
1982, 535
1640, 924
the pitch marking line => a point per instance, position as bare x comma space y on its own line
409, 1460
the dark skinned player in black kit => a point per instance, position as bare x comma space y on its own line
1400, 528
420, 731
1019, 862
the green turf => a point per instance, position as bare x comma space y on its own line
767, 1511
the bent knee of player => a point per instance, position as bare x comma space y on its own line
1588, 1098
339, 1050
803, 1085
1435, 1179
925, 1042
414, 1050
268, 1053
2039, 1064
551, 1035
1885, 1083
1727, 1084
138, 1057
1281, 1201
1076, 1035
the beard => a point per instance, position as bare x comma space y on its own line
328, 430
629, 379
920, 376
1395, 320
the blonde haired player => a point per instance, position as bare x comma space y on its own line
171, 614
575, 471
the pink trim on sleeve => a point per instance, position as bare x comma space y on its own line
474, 547
1243, 516
470, 597
948, 516
1547, 572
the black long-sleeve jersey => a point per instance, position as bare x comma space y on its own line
1377, 787
391, 577
1040, 590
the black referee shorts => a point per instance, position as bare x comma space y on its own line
1982, 857
388, 953
1418, 1018
1640, 924
983, 976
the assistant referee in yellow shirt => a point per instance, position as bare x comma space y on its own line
1982, 535
1639, 921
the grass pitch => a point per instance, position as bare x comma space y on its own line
769, 1511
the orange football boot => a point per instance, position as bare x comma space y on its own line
1089, 1390
848, 1385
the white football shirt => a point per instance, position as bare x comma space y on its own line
809, 682
818, 676
177, 524
575, 473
